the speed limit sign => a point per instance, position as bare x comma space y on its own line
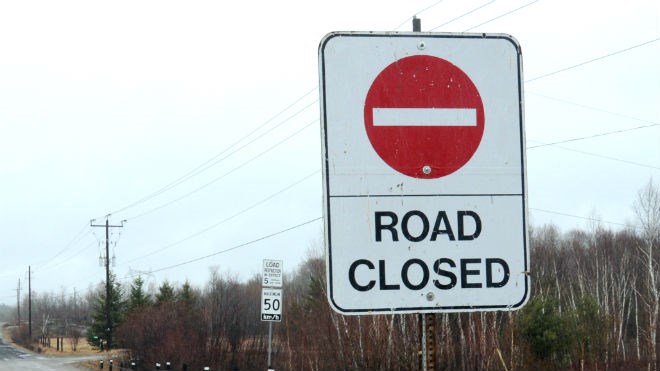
271, 304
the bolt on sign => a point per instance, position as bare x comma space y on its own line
424, 172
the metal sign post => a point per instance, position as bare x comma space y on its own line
270, 343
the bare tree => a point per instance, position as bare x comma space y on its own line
74, 337
647, 209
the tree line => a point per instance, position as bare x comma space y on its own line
595, 305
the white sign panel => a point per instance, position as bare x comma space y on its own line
424, 172
272, 273
271, 304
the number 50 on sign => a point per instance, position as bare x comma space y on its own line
271, 304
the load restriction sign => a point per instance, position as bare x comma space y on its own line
424, 172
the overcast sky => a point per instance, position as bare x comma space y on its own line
198, 124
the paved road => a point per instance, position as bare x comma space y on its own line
12, 359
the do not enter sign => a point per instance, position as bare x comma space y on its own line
424, 116
423, 172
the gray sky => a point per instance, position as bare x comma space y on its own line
197, 123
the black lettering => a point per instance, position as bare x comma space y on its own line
381, 273
425, 274
461, 227
390, 227
442, 219
425, 226
351, 275
469, 272
489, 272
441, 272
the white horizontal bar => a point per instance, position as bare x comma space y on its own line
425, 116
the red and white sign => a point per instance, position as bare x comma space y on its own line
424, 172
424, 116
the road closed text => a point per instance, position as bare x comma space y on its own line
443, 273
415, 274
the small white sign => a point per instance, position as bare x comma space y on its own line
272, 273
271, 304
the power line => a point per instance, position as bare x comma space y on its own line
225, 174
607, 157
591, 107
214, 225
71, 243
75, 254
594, 136
463, 15
503, 15
235, 247
618, 114
205, 165
581, 217
593, 60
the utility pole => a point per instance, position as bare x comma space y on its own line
18, 303
108, 290
76, 317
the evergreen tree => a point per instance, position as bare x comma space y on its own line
138, 299
187, 295
165, 293
100, 330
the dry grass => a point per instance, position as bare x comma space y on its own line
82, 349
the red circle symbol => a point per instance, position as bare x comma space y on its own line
424, 116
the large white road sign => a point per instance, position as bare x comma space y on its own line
424, 172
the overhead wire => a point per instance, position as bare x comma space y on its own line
604, 157
463, 15
582, 217
234, 247
78, 236
60, 263
619, 114
620, 131
216, 224
580, 64
216, 179
205, 165
503, 15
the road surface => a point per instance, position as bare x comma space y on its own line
13, 359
